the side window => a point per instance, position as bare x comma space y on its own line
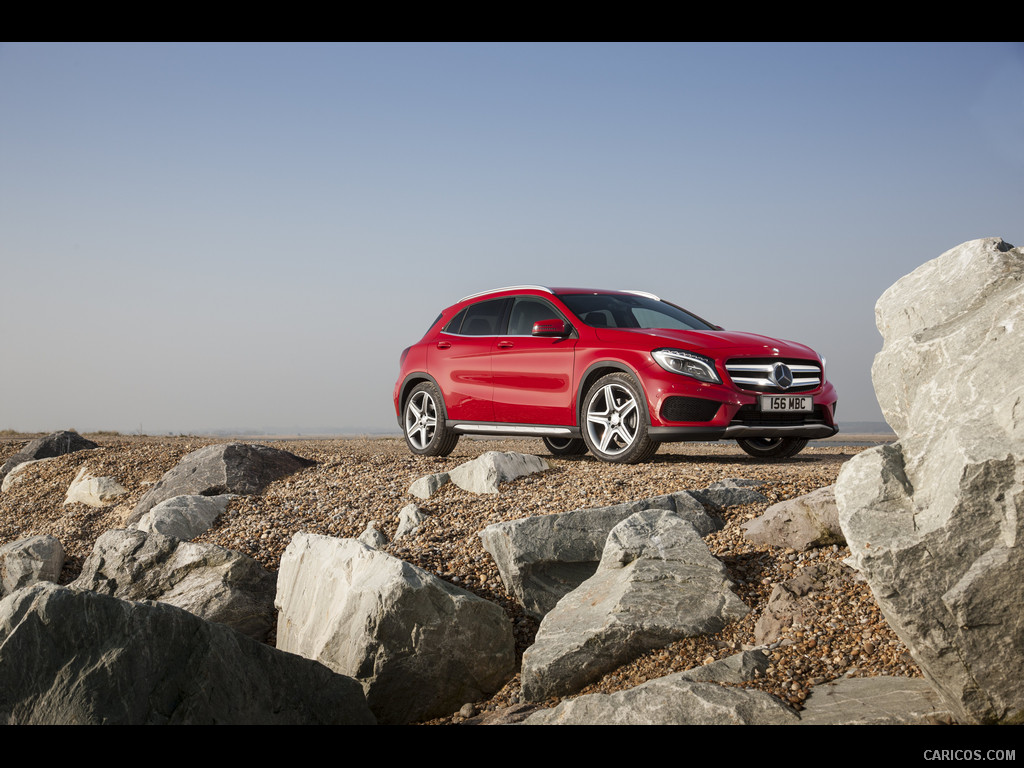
455, 323
483, 319
526, 311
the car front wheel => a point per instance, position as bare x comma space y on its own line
772, 447
423, 421
615, 427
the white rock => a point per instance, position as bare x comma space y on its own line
371, 537
424, 487
811, 520
93, 491
421, 647
409, 520
488, 470
934, 521
184, 517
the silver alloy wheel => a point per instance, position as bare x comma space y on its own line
420, 419
560, 442
612, 419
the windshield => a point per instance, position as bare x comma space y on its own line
604, 310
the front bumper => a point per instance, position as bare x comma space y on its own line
740, 431
682, 410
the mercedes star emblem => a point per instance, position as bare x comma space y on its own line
782, 376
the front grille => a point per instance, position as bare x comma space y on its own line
689, 409
769, 374
752, 416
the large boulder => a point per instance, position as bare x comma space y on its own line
214, 583
875, 701
543, 558
421, 647
672, 700
933, 521
808, 521
55, 444
489, 470
656, 583
69, 657
27, 561
218, 469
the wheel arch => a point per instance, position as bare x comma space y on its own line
409, 383
598, 370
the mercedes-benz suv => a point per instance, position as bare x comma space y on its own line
613, 372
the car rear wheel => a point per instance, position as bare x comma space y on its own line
615, 427
565, 446
423, 420
773, 447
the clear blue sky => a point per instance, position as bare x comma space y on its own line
204, 236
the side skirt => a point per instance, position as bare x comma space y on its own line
511, 430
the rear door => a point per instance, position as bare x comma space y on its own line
460, 360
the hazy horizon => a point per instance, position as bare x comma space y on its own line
195, 236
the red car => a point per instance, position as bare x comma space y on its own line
613, 372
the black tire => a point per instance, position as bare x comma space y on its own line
773, 447
615, 420
423, 422
565, 446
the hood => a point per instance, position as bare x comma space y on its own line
708, 342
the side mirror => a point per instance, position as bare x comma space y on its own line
553, 327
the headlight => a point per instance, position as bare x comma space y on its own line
687, 363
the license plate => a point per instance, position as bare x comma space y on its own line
787, 403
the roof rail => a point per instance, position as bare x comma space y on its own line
507, 288
644, 293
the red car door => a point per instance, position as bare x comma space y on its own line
532, 375
460, 360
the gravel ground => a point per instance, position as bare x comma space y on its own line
359, 480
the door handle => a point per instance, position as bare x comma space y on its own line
443, 344
505, 345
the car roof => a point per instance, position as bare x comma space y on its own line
553, 291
